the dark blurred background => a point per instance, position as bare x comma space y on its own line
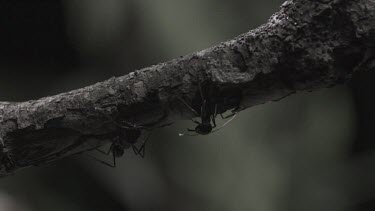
310, 151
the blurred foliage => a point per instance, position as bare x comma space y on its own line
289, 155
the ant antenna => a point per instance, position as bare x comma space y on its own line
184, 134
102, 161
187, 105
225, 123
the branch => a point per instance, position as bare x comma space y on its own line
307, 45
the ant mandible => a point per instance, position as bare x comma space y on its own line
207, 116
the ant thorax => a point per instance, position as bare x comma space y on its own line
129, 135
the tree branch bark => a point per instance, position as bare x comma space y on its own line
307, 45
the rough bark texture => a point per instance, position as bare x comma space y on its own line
308, 44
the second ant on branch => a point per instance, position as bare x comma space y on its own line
209, 109
128, 135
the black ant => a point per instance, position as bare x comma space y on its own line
207, 115
128, 135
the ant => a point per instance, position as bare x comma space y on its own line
207, 115
128, 135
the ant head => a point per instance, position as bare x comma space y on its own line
203, 129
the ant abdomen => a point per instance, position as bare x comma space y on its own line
130, 135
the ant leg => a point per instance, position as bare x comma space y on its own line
213, 117
203, 110
215, 112
114, 160
204, 104
103, 162
229, 116
213, 122
103, 152
200, 91
135, 149
142, 150
187, 105
195, 121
